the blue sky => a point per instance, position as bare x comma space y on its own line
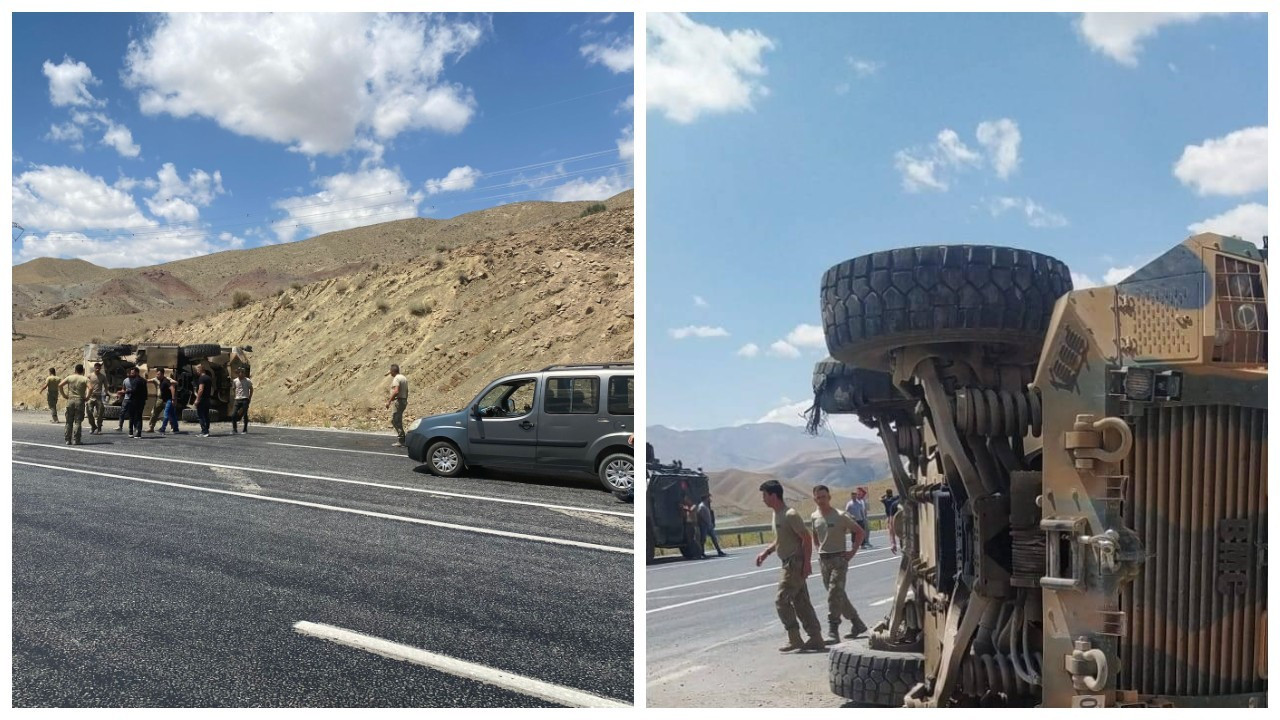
779, 145
140, 139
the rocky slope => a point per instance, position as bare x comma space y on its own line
456, 303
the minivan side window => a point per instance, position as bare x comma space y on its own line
510, 399
566, 396
622, 395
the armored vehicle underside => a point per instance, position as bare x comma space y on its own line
1083, 475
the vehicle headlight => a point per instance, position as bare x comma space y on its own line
414, 425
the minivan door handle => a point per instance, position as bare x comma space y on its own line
526, 425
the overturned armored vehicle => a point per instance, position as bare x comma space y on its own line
1082, 473
179, 363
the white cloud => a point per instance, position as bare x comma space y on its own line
1080, 281
1120, 35
698, 301
698, 331
807, 336
749, 350
1036, 215
618, 55
1247, 221
459, 178
69, 83
119, 137
1235, 164
344, 201
64, 198
793, 414
231, 241
626, 143
314, 81
115, 251
177, 200
864, 68
1116, 274
784, 349
920, 167
600, 188
1001, 139
695, 69
68, 132
918, 173
954, 151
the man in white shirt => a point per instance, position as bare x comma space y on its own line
243, 388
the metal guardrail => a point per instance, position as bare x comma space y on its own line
748, 529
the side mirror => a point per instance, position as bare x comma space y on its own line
475, 411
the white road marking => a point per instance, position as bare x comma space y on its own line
676, 675
353, 511
365, 452
744, 590
461, 668
365, 483
885, 601
745, 574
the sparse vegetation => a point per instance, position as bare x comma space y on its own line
279, 292
593, 208
419, 308
462, 277
610, 277
264, 416
342, 287
296, 286
383, 306
240, 299
180, 321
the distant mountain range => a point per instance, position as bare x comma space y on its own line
738, 459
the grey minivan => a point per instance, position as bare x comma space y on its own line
560, 418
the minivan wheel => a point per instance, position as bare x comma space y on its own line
617, 472
444, 459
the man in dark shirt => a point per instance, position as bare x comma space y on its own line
135, 397
204, 397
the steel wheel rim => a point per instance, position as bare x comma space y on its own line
620, 474
444, 459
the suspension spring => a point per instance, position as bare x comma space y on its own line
998, 413
986, 672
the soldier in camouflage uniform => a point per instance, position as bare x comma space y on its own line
829, 527
794, 548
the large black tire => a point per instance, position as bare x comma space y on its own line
689, 550
873, 677
105, 351
189, 415
841, 388
877, 303
200, 352
111, 412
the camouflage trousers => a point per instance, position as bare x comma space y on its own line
93, 413
397, 418
75, 420
835, 568
53, 404
795, 609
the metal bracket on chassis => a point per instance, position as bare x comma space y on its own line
963, 616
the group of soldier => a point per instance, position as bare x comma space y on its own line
87, 396
794, 543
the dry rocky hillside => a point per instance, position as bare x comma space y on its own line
455, 302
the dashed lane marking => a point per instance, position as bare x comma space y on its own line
335, 508
885, 601
745, 590
742, 575
540, 689
346, 450
441, 493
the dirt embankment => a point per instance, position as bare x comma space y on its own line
453, 317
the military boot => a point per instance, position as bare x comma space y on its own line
833, 633
858, 630
794, 641
814, 644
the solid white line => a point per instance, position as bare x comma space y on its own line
366, 513
676, 675
365, 452
739, 592
741, 575
453, 666
885, 601
365, 483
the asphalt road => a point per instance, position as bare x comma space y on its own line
128, 592
712, 633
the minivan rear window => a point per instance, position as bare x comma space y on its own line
565, 396
622, 395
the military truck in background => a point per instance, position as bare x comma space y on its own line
179, 362
1082, 473
671, 491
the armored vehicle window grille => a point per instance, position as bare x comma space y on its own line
1242, 312
572, 396
622, 395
